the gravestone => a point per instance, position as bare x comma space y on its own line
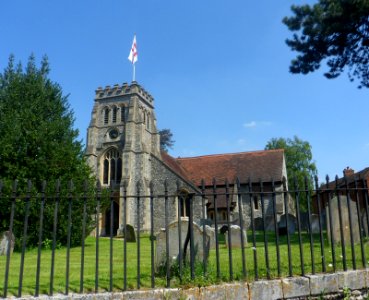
315, 223
304, 221
131, 236
258, 223
223, 229
282, 228
269, 223
207, 222
5, 239
364, 222
345, 221
235, 232
210, 231
314, 219
174, 241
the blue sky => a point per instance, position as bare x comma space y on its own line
218, 71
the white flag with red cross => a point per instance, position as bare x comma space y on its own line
133, 53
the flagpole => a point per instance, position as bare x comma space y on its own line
134, 72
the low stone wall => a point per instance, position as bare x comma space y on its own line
342, 285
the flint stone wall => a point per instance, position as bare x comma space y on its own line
160, 173
268, 207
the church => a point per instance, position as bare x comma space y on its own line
123, 148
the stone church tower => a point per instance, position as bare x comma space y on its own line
123, 147
122, 138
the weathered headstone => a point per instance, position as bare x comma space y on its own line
5, 239
131, 236
199, 252
315, 223
304, 221
235, 232
334, 210
282, 225
269, 223
223, 229
210, 231
258, 223
207, 222
364, 222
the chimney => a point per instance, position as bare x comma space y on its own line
348, 172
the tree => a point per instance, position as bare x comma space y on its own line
166, 139
38, 142
335, 31
299, 161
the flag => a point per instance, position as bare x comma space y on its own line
133, 53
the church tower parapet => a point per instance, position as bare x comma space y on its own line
124, 89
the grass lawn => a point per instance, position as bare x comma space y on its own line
29, 279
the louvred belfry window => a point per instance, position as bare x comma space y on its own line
123, 114
115, 114
106, 115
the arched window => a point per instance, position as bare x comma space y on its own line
119, 169
256, 202
115, 114
148, 122
106, 115
184, 203
123, 114
106, 171
112, 167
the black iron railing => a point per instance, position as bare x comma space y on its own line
292, 232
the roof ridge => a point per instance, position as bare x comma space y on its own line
228, 154
183, 176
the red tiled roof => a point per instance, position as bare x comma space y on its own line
172, 164
255, 165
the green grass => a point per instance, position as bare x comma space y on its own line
29, 279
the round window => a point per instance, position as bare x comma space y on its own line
113, 133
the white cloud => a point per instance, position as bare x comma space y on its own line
254, 124
250, 124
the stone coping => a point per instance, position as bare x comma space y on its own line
302, 287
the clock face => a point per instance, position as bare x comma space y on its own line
113, 133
